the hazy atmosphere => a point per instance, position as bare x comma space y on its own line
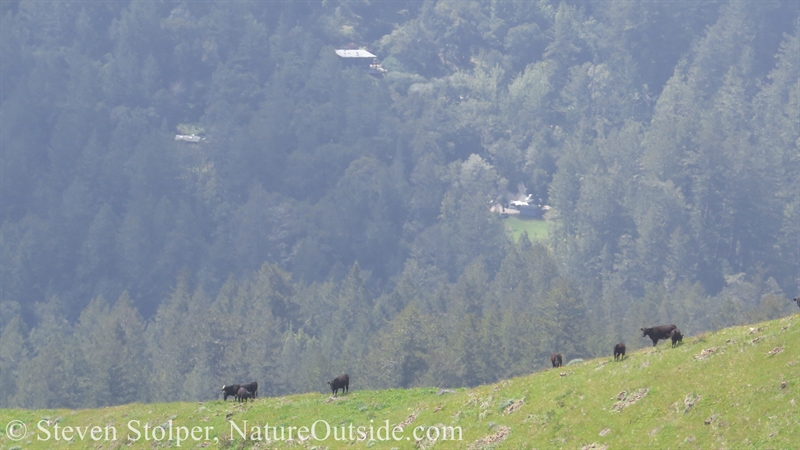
195, 193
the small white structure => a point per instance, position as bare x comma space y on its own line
360, 53
362, 58
189, 138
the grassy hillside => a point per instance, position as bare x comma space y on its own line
736, 388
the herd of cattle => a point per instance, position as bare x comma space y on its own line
242, 392
655, 333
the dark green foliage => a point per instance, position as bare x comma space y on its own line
13, 353
399, 353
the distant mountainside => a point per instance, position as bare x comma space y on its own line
206, 191
735, 388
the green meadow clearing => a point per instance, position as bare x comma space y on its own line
536, 228
735, 388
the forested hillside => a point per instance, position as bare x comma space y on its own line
734, 388
333, 221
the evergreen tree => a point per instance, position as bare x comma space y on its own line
51, 377
398, 354
569, 324
114, 347
172, 343
13, 353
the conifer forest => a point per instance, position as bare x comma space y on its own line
195, 193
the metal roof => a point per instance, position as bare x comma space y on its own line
354, 54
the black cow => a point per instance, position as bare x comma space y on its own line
619, 351
341, 382
252, 387
556, 359
676, 337
230, 389
797, 300
659, 332
243, 394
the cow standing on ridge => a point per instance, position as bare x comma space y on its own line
341, 382
252, 387
243, 394
676, 337
659, 332
556, 359
230, 389
619, 351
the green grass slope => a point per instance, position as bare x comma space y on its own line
537, 229
735, 388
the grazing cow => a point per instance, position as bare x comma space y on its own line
556, 359
676, 337
341, 382
243, 394
229, 389
619, 351
659, 332
252, 387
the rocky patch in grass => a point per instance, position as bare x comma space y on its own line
492, 440
625, 399
706, 353
775, 351
514, 406
594, 446
502, 384
689, 401
409, 419
424, 443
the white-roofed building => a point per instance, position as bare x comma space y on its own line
361, 58
356, 54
